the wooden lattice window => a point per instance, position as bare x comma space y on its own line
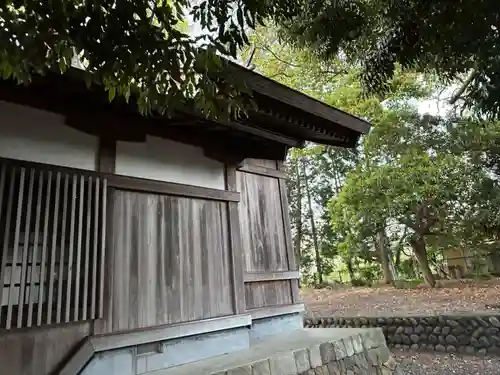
52, 228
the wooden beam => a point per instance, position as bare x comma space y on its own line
174, 331
77, 361
133, 183
251, 277
263, 171
170, 188
292, 264
293, 98
100, 343
106, 158
269, 312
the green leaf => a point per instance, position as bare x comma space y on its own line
111, 93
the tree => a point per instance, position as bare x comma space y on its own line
458, 41
422, 189
136, 48
327, 167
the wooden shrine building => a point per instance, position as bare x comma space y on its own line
130, 244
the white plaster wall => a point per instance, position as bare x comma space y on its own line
34, 135
165, 160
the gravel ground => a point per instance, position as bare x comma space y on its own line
445, 364
386, 300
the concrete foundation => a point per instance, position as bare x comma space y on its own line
306, 352
272, 346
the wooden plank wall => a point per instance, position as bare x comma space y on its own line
169, 261
266, 236
39, 351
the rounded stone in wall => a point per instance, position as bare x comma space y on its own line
492, 331
392, 329
400, 330
478, 332
451, 349
475, 343
481, 352
463, 339
452, 340
494, 322
414, 347
428, 329
415, 338
419, 329
483, 322
484, 342
433, 339
436, 330
453, 323
473, 323
408, 330
440, 348
446, 331
457, 331
406, 339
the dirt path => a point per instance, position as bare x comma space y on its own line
445, 364
382, 301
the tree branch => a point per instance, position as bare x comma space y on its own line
293, 65
473, 74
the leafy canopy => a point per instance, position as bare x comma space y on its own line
134, 46
456, 40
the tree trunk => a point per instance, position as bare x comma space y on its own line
383, 254
350, 267
319, 274
298, 215
420, 251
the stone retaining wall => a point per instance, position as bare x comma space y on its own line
466, 334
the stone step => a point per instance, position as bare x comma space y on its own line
328, 351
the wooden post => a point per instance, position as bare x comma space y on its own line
106, 163
235, 244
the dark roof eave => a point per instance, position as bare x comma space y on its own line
277, 91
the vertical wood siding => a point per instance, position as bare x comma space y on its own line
261, 222
168, 261
40, 351
267, 293
266, 237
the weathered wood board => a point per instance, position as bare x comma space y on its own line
39, 351
267, 293
266, 239
168, 261
261, 222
